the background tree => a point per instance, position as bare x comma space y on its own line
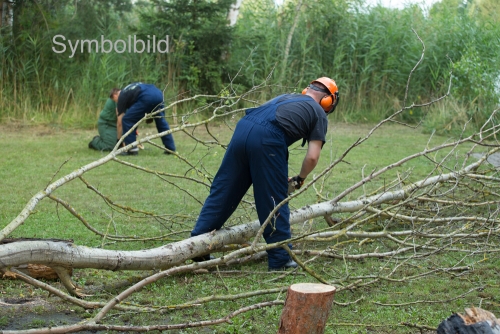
201, 37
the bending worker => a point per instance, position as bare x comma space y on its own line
134, 102
106, 125
258, 155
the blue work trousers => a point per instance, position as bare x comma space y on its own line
257, 154
149, 100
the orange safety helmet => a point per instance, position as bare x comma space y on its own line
329, 102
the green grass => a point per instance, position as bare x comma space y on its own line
31, 156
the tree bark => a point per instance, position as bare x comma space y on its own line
5, 13
307, 307
2, 12
233, 12
54, 253
289, 42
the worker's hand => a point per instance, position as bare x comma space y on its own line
295, 183
149, 120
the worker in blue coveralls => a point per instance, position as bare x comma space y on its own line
258, 154
134, 102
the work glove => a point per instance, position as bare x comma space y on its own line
294, 183
150, 119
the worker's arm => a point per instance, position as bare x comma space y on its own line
312, 157
119, 127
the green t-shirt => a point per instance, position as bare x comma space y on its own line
108, 113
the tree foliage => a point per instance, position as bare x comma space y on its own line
201, 38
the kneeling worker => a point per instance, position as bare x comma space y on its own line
106, 125
258, 155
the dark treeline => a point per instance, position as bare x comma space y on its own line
46, 77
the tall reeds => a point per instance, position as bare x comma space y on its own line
368, 51
371, 51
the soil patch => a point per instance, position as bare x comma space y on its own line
29, 313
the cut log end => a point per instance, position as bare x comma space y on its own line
312, 288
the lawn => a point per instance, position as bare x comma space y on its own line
157, 199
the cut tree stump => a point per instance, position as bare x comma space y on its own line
474, 321
306, 309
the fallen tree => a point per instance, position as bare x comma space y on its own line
60, 254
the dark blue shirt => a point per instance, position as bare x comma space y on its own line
302, 119
128, 96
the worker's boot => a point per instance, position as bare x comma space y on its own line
288, 265
132, 151
202, 258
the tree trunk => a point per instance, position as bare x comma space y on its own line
289, 42
306, 310
233, 12
39, 270
61, 253
5, 13
2, 12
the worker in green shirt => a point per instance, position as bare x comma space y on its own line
106, 125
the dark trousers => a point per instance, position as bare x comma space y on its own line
256, 154
106, 140
149, 100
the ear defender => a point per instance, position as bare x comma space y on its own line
304, 90
326, 103
334, 103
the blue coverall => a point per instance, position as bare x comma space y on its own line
150, 99
257, 154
